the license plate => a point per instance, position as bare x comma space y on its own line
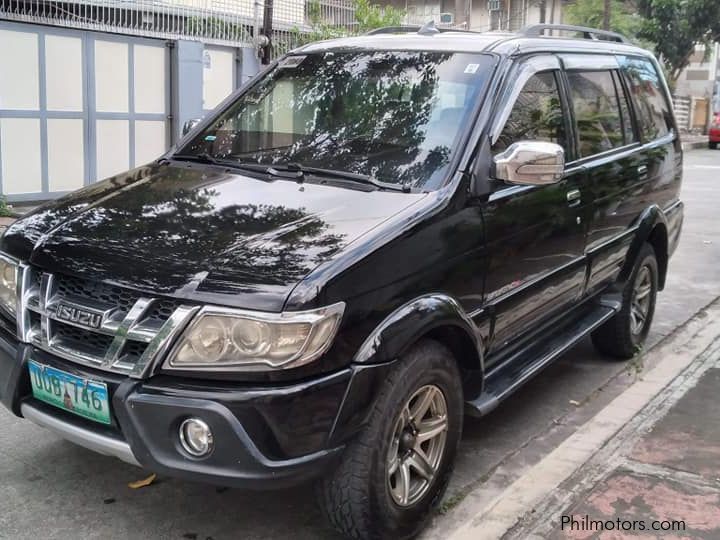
83, 397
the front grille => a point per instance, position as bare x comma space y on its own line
100, 293
97, 324
74, 336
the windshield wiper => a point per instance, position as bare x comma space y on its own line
230, 163
292, 171
298, 172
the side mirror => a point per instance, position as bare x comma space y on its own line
189, 125
531, 163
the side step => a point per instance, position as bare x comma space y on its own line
528, 362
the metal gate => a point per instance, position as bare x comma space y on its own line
78, 106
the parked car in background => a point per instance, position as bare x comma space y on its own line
375, 237
714, 132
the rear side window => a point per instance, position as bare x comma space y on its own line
597, 111
648, 95
628, 130
536, 115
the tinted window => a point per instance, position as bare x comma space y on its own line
536, 116
626, 117
646, 90
392, 115
597, 113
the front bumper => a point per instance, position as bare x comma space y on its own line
97, 442
265, 437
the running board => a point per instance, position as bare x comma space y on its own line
515, 372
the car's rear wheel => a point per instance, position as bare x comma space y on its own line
397, 469
713, 145
624, 334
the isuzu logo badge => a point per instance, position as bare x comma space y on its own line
77, 315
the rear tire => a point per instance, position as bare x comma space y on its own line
713, 145
624, 334
379, 491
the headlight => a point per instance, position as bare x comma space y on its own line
8, 284
227, 339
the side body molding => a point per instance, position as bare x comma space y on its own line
411, 321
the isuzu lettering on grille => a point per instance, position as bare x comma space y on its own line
78, 315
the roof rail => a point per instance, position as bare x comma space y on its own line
537, 30
415, 28
393, 29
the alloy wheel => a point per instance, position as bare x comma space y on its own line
641, 299
417, 447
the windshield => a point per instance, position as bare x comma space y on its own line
394, 116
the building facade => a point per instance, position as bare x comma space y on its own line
697, 90
480, 15
512, 15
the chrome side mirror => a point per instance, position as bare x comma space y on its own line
531, 163
189, 125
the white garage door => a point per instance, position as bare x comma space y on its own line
76, 107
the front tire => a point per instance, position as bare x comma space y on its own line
625, 333
397, 469
713, 145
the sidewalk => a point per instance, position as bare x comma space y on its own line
5, 222
669, 479
650, 459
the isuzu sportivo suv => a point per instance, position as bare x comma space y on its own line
374, 237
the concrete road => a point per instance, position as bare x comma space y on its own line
52, 489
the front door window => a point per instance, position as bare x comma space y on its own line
536, 115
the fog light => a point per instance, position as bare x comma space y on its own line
196, 437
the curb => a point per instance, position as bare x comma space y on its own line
695, 145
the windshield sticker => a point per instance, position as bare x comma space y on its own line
291, 62
210, 138
472, 68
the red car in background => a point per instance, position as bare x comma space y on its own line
714, 132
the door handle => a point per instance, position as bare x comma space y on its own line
573, 197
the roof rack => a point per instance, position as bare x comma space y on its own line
393, 29
537, 30
416, 29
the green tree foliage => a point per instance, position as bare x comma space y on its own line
367, 16
623, 18
676, 26
5, 210
371, 16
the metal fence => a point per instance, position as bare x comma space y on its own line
222, 22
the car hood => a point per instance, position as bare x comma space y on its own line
200, 233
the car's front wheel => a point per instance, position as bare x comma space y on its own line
713, 145
397, 469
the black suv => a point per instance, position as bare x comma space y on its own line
374, 237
